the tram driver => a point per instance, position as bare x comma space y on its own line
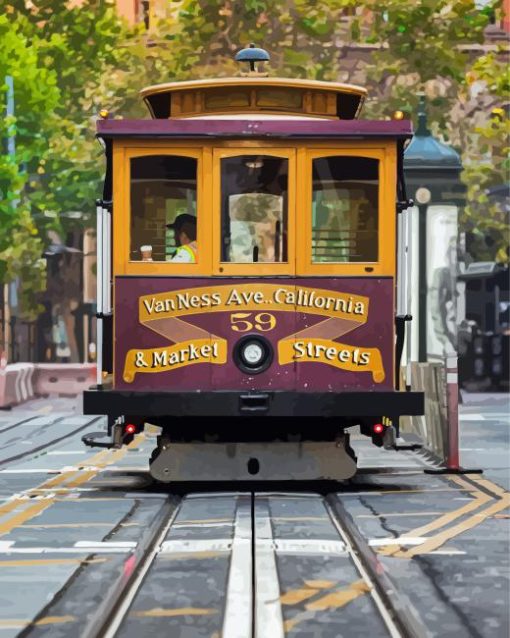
185, 230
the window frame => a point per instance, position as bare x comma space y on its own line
122, 212
299, 248
385, 265
254, 269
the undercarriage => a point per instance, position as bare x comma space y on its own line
269, 461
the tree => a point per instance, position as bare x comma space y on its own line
81, 43
57, 55
36, 96
420, 49
96, 61
486, 155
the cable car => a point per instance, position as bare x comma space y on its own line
252, 285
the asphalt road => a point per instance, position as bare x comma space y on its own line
485, 435
77, 525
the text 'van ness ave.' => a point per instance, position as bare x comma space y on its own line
252, 297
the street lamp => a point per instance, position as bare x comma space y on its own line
432, 172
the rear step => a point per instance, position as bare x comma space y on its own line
99, 439
111, 439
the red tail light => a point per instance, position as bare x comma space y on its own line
378, 428
130, 429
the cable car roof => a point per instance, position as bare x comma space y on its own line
288, 128
254, 94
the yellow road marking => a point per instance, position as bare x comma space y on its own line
462, 482
433, 491
68, 525
82, 478
117, 455
41, 562
63, 498
135, 443
479, 499
53, 620
64, 494
320, 584
24, 515
333, 600
489, 485
441, 538
296, 596
477, 502
99, 460
158, 612
312, 587
112, 481
96, 458
49, 620
11, 505
339, 598
57, 480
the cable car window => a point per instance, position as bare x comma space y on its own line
254, 209
345, 210
163, 208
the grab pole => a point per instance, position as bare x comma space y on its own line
99, 293
408, 267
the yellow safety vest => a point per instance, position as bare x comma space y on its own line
191, 249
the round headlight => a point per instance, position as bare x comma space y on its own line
253, 354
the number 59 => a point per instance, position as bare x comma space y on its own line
242, 321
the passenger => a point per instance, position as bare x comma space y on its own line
185, 230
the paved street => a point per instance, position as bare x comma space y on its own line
76, 525
485, 435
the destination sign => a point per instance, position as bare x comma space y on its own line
165, 314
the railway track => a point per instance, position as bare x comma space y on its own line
244, 565
115, 555
39, 433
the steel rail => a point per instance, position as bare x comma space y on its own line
18, 423
34, 450
395, 609
109, 615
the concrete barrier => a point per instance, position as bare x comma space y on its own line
16, 384
20, 382
432, 428
64, 379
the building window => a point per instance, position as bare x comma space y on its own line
163, 190
345, 209
144, 12
254, 209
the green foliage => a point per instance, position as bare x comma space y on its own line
69, 61
487, 162
21, 257
201, 37
36, 97
419, 47
80, 43
57, 54
414, 46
